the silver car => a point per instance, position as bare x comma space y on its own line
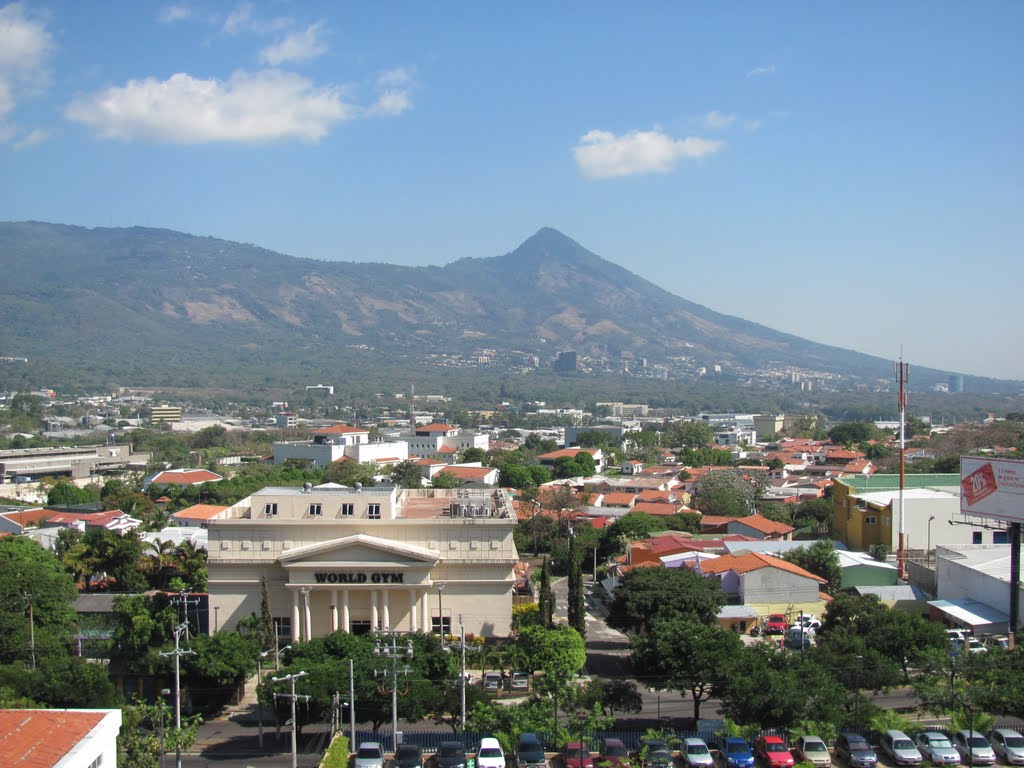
937, 747
973, 748
1009, 745
696, 754
370, 755
900, 748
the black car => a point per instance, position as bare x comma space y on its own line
854, 750
408, 756
655, 754
530, 752
451, 754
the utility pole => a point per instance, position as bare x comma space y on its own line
393, 653
31, 628
903, 374
440, 619
177, 653
462, 669
352, 703
259, 679
292, 697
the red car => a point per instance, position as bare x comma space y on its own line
576, 755
775, 624
773, 752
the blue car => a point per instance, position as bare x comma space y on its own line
737, 753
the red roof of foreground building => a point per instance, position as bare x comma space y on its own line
199, 512
764, 525
468, 473
40, 738
618, 499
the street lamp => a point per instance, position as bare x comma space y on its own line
928, 553
163, 704
259, 679
533, 524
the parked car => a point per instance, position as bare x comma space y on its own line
530, 752
520, 681
577, 755
737, 752
937, 748
490, 754
614, 753
773, 752
696, 753
1007, 744
775, 624
811, 749
451, 754
370, 755
974, 749
492, 681
655, 754
855, 751
408, 756
898, 746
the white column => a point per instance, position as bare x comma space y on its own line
346, 620
295, 616
386, 597
309, 623
334, 610
373, 611
412, 610
426, 610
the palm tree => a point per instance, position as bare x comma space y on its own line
191, 564
161, 559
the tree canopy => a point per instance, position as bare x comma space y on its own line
647, 595
728, 492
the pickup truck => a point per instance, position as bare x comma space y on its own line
775, 624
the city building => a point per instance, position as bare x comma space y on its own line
340, 441
866, 512
973, 587
76, 462
443, 440
165, 413
360, 559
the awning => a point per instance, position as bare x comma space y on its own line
982, 618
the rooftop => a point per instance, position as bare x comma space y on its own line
879, 482
40, 738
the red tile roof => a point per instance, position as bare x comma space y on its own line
436, 427
341, 429
468, 473
185, 477
753, 561
199, 512
618, 499
658, 508
568, 452
27, 517
764, 525
40, 738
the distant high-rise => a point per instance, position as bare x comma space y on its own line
567, 362
956, 382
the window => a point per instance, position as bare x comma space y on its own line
869, 520
437, 627
315, 510
347, 510
1001, 537
283, 626
270, 510
976, 537
373, 511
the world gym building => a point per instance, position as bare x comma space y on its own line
363, 559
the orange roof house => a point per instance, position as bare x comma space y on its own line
198, 515
771, 584
183, 477
758, 525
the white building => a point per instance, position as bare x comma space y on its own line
359, 559
973, 586
331, 444
434, 440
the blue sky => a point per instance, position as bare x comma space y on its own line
849, 172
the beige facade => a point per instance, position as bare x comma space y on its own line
366, 559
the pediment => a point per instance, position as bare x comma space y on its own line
360, 549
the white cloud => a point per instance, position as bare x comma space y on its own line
718, 121
394, 92
173, 13
602, 154
269, 105
768, 69
33, 137
394, 78
238, 19
25, 48
296, 46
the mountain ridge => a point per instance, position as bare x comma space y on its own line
78, 290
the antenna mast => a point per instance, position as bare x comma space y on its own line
903, 374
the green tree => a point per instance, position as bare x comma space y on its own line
557, 648
147, 731
850, 432
577, 612
349, 472
646, 595
729, 493
267, 636
64, 493
73, 682
690, 434
407, 474
445, 480
614, 695
545, 597
117, 556
142, 628
32, 578
820, 559
686, 656
815, 513
221, 660
473, 455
